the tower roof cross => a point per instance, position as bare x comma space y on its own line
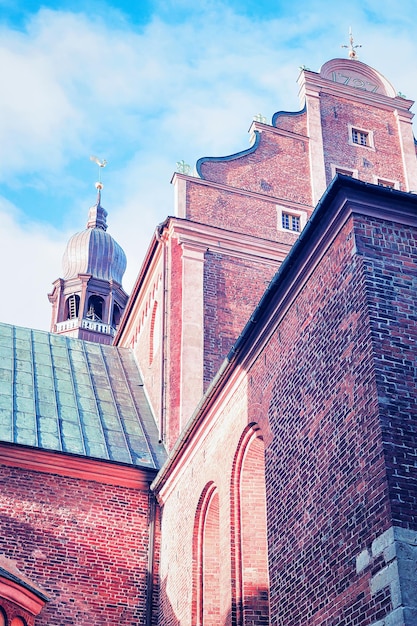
352, 48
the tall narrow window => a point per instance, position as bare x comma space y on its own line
116, 315
155, 331
95, 308
72, 306
250, 580
207, 560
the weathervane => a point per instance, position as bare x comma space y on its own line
352, 48
101, 164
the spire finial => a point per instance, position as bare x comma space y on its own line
352, 48
99, 185
97, 215
101, 163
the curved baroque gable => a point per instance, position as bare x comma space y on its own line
356, 74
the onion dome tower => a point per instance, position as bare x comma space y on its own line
89, 300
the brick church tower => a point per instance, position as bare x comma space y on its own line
244, 452
296, 471
236, 221
89, 300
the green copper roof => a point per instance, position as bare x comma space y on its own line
69, 395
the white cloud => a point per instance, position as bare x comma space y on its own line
28, 252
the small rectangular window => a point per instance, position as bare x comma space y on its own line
360, 137
291, 222
290, 219
386, 183
339, 170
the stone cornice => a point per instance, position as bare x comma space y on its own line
280, 131
227, 242
73, 466
21, 594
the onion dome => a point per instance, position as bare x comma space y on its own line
93, 251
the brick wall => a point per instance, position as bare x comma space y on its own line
279, 161
294, 122
84, 543
324, 394
232, 289
209, 471
232, 210
390, 252
325, 473
385, 161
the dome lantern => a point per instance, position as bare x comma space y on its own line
89, 300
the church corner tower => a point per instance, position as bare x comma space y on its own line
89, 300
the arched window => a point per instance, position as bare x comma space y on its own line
95, 308
3, 621
250, 580
206, 561
18, 621
116, 315
72, 306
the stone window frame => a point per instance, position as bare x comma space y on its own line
364, 131
382, 181
341, 169
293, 213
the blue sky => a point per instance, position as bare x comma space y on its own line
146, 84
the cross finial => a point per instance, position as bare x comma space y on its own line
260, 118
352, 48
183, 167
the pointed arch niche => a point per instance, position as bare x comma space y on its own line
250, 580
206, 560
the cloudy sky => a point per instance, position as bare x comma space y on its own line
145, 84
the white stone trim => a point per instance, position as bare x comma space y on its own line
408, 150
301, 214
340, 169
383, 179
192, 337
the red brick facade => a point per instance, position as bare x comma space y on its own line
85, 543
390, 269
287, 400
333, 351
